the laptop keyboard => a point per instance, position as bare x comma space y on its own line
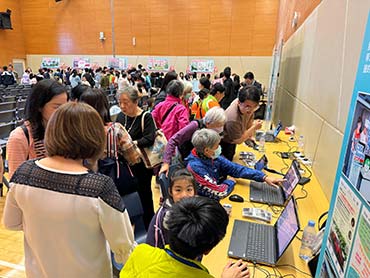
260, 243
260, 191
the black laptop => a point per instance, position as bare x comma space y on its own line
261, 243
270, 135
261, 192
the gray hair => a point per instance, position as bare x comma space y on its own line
215, 115
188, 87
175, 88
131, 92
205, 138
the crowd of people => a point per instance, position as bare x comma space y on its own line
56, 185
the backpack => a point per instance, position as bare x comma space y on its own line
116, 167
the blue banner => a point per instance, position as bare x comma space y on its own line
346, 246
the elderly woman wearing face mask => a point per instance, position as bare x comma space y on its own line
215, 119
211, 170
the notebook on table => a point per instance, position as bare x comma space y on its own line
261, 192
261, 243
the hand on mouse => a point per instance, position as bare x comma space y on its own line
275, 182
235, 270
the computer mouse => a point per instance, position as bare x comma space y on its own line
236, 198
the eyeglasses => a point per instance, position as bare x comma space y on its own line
249, 108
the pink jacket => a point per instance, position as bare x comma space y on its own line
176, 119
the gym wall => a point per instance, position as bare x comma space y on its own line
318, 69
160, 27
12, 41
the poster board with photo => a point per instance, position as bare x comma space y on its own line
202, 65
117, 63
81, 62
50, 63
158, 64
346, 245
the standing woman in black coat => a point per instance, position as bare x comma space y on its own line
131, 118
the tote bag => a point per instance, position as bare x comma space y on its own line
152, 156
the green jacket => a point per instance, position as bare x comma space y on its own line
148, 261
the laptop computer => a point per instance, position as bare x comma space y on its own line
270, 135
261, 192
261, 243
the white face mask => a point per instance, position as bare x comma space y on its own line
217, 152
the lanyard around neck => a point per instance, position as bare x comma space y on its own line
182, 260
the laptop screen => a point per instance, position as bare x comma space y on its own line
291, 179
287, 227
277, 129
261, 163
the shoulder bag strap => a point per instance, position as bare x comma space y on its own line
157, 228
142, 121
168, 112
111, 141
112, 146
25, 131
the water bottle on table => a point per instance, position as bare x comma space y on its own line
301, 144
308, 240
262, 141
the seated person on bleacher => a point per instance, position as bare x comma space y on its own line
210, 169
6, 77
196, 225
182, 185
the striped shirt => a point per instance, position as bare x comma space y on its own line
19, 149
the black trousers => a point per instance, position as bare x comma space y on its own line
228, 150
144, 176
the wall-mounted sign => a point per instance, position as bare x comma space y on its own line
50, 63
81, 62
117, 63
157, 64
202, 66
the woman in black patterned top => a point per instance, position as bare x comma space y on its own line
68, 213
131, 119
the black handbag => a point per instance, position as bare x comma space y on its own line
121, 174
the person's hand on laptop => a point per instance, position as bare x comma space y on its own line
235, 270
275, 182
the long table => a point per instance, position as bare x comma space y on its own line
309, 208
